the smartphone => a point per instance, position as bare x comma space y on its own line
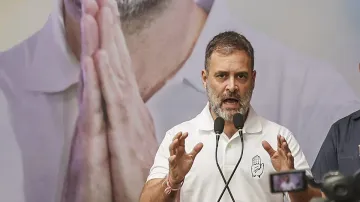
291, 181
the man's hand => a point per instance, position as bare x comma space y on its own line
281, 159
180, 162
88, 176
131, 137
114, 144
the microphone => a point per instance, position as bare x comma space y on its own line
238, 120
219, 124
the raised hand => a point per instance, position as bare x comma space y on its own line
181, 162
281, 159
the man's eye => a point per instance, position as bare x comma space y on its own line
220, 76
242, 76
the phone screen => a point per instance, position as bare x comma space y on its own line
288, 181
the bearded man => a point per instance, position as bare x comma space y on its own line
229, 80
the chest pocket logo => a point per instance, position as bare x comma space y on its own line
257, 167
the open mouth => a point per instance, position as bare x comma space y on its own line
230, 101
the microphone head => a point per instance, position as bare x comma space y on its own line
219, 124
238, 120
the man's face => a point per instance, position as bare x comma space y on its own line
286, 178
229, 82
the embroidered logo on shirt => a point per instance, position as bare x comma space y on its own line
257, 168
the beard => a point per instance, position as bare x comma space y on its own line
132, 9
135, 15
216, 102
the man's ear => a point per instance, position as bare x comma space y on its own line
254, 76
204, 77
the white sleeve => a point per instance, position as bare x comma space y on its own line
300, 162
160, 167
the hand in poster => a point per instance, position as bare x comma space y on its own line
119, 148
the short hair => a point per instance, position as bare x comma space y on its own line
227, 43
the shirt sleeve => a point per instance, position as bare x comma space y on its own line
326, 159
160, 167
300, 162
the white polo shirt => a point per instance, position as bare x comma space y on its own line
204, 182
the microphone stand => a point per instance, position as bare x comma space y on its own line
237, 164
218, 166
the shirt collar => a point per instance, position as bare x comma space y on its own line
53, 67
205, 122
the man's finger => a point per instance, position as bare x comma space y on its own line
110, 4
89, 35
124, 55
92, 97
107, 42
279, 141
285, 147
110, 91
177, 136
173, 146
90, 7
124, 71
105, 21
268, 148
182, 138
196, 150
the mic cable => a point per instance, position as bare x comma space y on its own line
218, 166
236, 166
238, 120
219, 125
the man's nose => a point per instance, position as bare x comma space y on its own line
231, 85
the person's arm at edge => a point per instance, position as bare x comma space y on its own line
326, 159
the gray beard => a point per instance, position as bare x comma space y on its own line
135, 15
132, 9
227, 115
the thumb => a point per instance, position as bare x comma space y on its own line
196, 150
268, 148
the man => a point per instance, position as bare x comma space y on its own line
341, 149
229, 80
286, 184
